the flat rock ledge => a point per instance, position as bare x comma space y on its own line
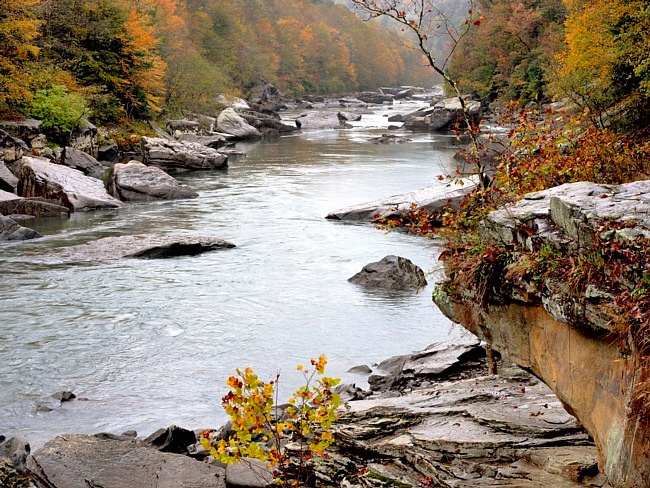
141, 246
432, 199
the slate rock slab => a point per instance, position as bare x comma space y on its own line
83, 461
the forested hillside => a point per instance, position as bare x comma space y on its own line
134, 58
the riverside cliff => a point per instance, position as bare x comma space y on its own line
559, 284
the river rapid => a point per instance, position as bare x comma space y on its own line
151, 343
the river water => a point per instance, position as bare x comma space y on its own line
151, 342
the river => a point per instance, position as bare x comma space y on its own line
151, 343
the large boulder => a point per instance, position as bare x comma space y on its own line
136, 182
266, 96
183, 125
264, 123
180, 156
11, 231
81, 461
393, 273
8, 182
76, 191
142, 247
86, 138
431, 199
84, 162
232, 102
230, 122
13, 205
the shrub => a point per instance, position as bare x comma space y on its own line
287, 439
59, 110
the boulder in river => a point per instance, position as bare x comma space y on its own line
266, 96
392, 272
141, 246
320, 120
264, 122
180, 156
431, 199
134, 181
390, 139
76, 191
11, 231
13, 205
375, 97
443, 116
230, 122
77, 159
82, 461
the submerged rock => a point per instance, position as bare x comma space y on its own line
392, 272
432, 199
390, 139
136, 182
143, 246
82, 461
76, 191
180, 156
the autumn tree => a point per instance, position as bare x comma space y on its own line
18, 31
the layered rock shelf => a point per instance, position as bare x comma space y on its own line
563, 332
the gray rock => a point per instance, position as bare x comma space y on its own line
64, 396
142, 246
25, 130
231, 122
108, 152
82, 461
396, 118
392, 272
11, 231
349, 116
85, 138
390, 139
361, 369
319, 120
232, 102
76, 191
11, 149
264, 122
11, 204
442, 116
181, 156
215, 140
351, 392
183, 125
8, 182
431, 199
172, 439
79, 160
375, 97
14, 451
248, 473
136, 182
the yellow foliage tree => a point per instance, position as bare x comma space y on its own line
18, 30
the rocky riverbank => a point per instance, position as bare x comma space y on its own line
432, 418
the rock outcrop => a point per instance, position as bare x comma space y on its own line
391, 272
265, 96
136, 182
141, 246
432, 199
230, 122
11, 231
180, 156
76, 191
562, 331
